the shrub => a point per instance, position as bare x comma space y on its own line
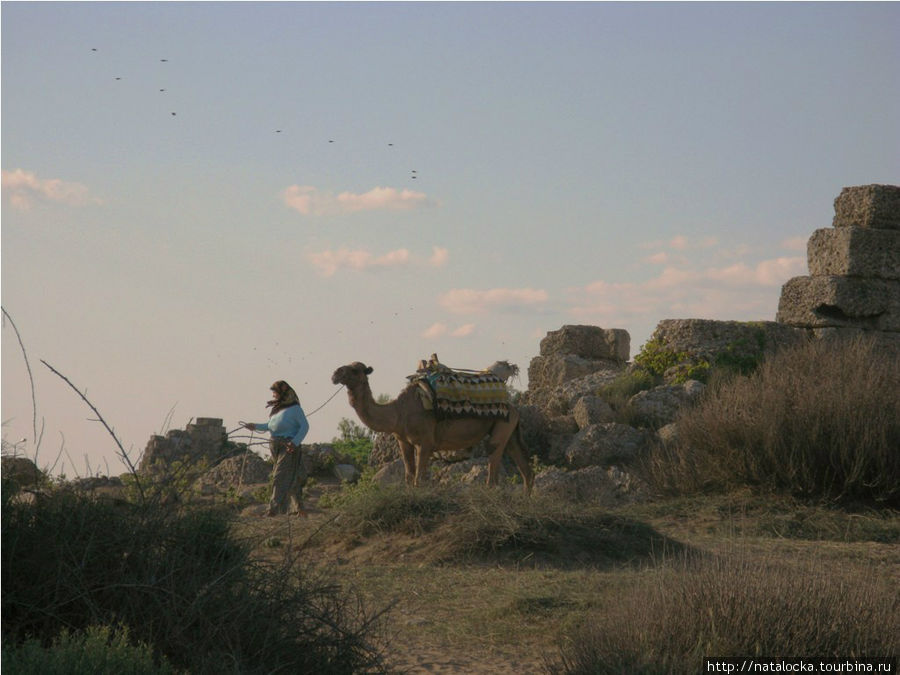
180, 582
99, 650
355, 441
737, 606
820, 420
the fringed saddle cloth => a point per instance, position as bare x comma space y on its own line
455, 394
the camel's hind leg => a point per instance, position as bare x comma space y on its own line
423, 459
409, 460
500, 435
516, 449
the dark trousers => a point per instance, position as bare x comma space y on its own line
288, 478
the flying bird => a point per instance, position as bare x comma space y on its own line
164, 60
93, 49
173, 114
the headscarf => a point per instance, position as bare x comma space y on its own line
283, 397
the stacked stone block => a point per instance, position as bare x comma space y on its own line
854, 268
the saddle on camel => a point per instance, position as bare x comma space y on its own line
461, 393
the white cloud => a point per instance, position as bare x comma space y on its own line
471, 301
24, 188
328, 262
464, 331
734, 291
441, 329
310, 201
439, 256
657, 258
435, 330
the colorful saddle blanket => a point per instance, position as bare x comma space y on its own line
452, 394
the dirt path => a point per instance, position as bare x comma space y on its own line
413, 650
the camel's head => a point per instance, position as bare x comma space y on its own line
352, 374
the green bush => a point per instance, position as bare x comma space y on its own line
819, 420
656, 359
99, 650
181, 583
354, 440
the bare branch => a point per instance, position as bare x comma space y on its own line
30, 380
122, 453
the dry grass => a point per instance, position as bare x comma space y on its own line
739, 604
821, 420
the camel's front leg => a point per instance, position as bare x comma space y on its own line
409, 460
423, 459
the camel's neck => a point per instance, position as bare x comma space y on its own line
376, 416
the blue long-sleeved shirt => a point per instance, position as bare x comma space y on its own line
288, 423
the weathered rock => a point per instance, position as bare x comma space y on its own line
659, 406
557, 369
470, 471
392, 473
560, 399
834, 301
346, 473
385, 448
588, 342
708, 338
604, 486
590, 410
603, 444
872, 206
855, 252
202, 442
234, 472
21, 471
668, 434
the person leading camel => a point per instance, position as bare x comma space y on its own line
288, 427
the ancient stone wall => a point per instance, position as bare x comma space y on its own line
854, 269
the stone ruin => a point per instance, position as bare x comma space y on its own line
854, 270
204, 440
853, 288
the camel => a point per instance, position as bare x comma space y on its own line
420, 433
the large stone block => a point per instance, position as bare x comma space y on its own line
708, 338
855, 252
872, 206
557, 369
588, 342
833, 301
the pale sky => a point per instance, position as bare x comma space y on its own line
202, 198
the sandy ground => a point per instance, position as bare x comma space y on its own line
407, 656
